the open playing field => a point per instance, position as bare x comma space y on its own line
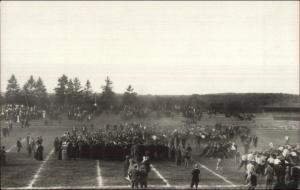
25, 172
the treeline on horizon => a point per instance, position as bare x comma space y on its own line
71, 92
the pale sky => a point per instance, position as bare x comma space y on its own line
158, 47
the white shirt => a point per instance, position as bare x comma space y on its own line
277, 161
250, 157
233, 147
259, 160
244, 157
250, 168
285, 152
271, 160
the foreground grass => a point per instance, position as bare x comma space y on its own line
181, 176
20, 168
68, 173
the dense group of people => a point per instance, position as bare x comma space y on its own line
278, 165
113, 142
14, 113
218, 141
21, 113
221, 140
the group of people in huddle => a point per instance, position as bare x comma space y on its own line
113, 142
217, 141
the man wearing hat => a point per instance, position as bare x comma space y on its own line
195, 176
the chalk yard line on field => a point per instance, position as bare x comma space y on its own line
160, 176
37, 174
99, 177
218, 175
14, 146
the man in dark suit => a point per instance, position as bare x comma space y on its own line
195, 176
40, 150
19, 145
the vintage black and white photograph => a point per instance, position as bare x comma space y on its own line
150, 95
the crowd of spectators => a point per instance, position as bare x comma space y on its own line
279, 166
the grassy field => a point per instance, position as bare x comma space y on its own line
22, 171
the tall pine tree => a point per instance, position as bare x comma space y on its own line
107, 100
12, 94
77, 95
61, 89
28, 91
70, 92
40, 93
129, 97
87, 91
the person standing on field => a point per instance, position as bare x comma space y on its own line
29, 149
195, 176
19, 145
